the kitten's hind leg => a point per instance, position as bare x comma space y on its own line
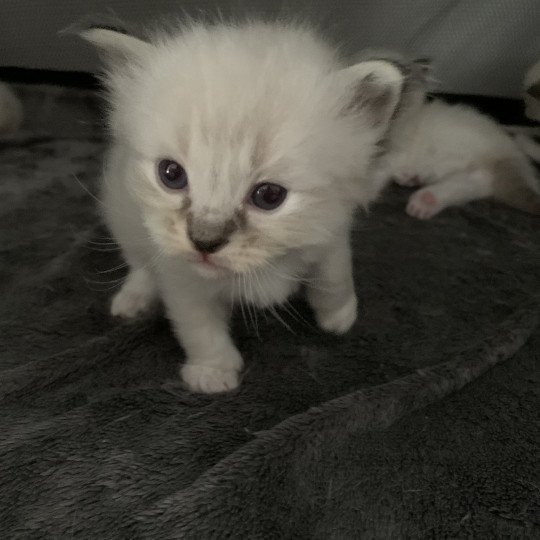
407, 179
136, 295
458, 188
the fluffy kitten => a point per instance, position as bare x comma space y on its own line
458, 153
240, 154
10, 110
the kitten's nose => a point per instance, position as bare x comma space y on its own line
208, 236
208, 246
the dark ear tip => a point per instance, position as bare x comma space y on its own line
78, 28
534, 91
116, 29
424, 64
93, 22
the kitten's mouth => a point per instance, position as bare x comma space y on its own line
208, 264
207, 260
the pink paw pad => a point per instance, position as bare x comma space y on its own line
428, 198
423, 205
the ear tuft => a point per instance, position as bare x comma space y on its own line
114, 42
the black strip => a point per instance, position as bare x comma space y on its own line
506, 110
78, 79
36, 141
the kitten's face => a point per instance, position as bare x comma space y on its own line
236, 197
246, 143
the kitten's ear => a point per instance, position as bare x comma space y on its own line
116, 46
373, 90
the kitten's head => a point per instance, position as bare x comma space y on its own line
245, 142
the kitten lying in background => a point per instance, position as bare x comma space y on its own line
240, 154
456, 152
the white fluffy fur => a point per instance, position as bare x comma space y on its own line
11, 112
459, 154
238, 105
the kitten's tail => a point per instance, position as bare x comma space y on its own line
11, 111
516, 187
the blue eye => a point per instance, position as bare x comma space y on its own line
172, 174
268, 196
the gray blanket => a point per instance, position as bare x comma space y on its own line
422, 422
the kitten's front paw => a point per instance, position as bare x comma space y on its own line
129, 303
136, 295
340, 320
423, 204
209, 380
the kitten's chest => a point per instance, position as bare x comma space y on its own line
271, 284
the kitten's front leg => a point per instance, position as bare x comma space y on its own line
200, 322
137, 294
331, 294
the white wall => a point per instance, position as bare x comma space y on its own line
480, 46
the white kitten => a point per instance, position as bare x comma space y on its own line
240, 155
11, 112
458, 153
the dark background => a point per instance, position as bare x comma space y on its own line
480, 47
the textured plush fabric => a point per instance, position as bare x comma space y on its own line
422, 422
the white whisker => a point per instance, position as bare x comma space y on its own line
276, 315
114, 269
103, 242
116, 283
295, 314
254, 308
103, 250
248, 305
240, 299
87, 190
289, 277
260, 291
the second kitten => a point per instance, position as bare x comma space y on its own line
455, 154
